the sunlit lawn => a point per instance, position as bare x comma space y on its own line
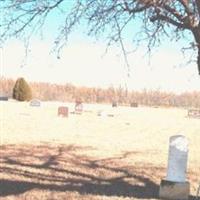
86, 156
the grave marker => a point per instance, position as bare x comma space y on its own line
3, 98
175, 185
195, 113
114, 104
134, 104
78, 107
63, 111
35, 103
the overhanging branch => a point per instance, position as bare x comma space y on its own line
174, 12
168, 20
136, 9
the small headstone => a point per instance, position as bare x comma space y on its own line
134, 104
114, 104
35, 103
194, 113
3, 98
63, 111
78, 107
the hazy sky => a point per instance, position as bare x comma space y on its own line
83, 62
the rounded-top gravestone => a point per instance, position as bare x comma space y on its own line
177, 160
35, 103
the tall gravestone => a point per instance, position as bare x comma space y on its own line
175, 186
177, 160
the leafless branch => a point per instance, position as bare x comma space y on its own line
107, 19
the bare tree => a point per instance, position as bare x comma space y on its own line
179, 19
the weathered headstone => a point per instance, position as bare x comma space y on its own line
63, 111
175, 185
194, 113
177, 160
3, 98
78, 107
35, 103
134, 104
114, 104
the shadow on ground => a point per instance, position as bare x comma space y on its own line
64, 168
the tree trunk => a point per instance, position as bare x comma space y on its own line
196, 33
198, 59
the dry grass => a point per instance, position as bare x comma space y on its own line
89, 157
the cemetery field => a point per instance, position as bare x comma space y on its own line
121, 155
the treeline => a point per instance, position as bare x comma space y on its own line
69, 92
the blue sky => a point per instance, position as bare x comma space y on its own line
83, 62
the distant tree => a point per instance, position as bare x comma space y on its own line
98, 95
21, 90
176, 19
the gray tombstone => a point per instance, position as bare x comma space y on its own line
35, 103
3, 98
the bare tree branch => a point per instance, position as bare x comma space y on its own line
185, 4
122, 46
169, 20
107, 19
174, 12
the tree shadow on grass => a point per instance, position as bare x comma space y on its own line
64, 168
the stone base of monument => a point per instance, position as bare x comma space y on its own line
174, 190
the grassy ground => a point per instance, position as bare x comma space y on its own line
124, 157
